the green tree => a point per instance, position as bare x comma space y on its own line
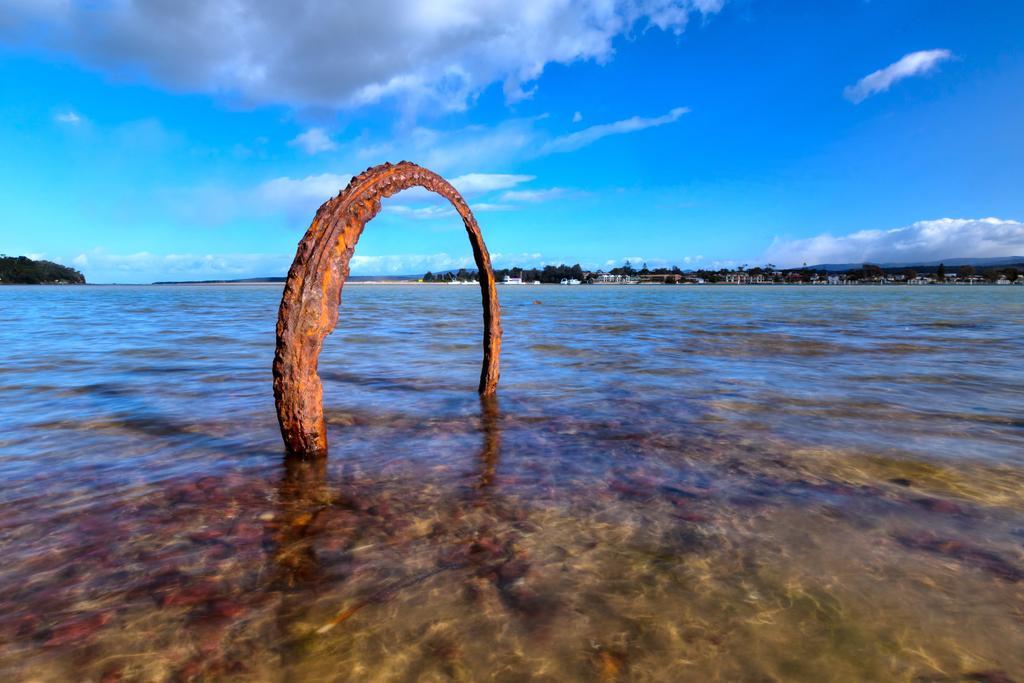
872, 271
23, 270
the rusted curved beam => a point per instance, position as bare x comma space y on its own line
312, 293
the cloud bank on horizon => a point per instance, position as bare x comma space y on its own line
922, 241
929, 240
125, 268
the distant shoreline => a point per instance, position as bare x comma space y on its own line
278, 284
407, 283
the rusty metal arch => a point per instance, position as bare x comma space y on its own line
312, 294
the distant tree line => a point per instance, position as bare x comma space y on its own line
769, 273
462, 275
547, 274
21, 270
873, 272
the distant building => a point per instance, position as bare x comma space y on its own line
663, 278
738, 278
602, 278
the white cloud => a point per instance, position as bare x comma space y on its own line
932, 240
913, 64
296, 199
286, 190
468, 184
300, 193
299, 198
408, 264
322, 52
478, 183
525, 259
417, 264
491, 206
506, 143
421, 212
314, 141
574, 141
99, 266
577, 117
638, 262
533, 196
69, 117
725, 263
470, 147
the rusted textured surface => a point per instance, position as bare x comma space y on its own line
312, 293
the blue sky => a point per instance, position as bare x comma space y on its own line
143, 142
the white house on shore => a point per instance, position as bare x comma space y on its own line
609, 279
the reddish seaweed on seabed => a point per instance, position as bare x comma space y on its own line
617, 513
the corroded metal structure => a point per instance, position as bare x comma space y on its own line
312, 293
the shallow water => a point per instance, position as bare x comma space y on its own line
674, 483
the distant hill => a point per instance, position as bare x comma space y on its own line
21, 270
1002, 261
281, 280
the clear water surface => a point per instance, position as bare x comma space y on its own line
674, 483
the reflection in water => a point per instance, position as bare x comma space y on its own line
490, 451
304, 494
815, 485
